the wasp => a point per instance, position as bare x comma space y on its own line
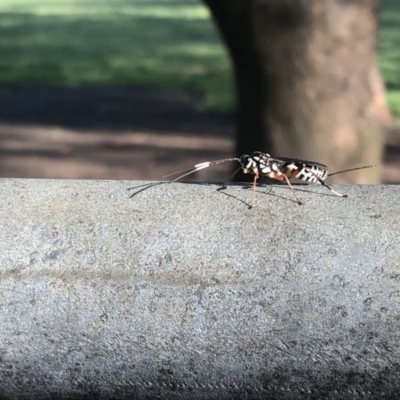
278, 168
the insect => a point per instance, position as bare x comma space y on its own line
279, 168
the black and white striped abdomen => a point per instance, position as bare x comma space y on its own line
311, 173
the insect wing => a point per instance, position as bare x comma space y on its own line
298, 161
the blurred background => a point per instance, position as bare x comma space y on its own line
132, 89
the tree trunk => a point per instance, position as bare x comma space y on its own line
307, 80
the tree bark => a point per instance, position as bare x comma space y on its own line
307, 81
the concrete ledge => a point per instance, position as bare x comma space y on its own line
183, 292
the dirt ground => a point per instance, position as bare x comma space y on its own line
120, 133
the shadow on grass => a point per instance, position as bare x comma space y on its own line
110, 108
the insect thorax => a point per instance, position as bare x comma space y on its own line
258, 163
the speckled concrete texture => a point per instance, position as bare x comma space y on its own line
182, 292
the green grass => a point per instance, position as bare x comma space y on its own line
159, 43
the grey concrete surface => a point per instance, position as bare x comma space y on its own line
183, 292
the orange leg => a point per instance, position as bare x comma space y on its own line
294, 173
291, 188
253, 191
280, 176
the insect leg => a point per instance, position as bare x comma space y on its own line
253, 190
324, 184
291, 188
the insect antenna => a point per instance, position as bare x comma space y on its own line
198, 167
351, 169
223, 184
